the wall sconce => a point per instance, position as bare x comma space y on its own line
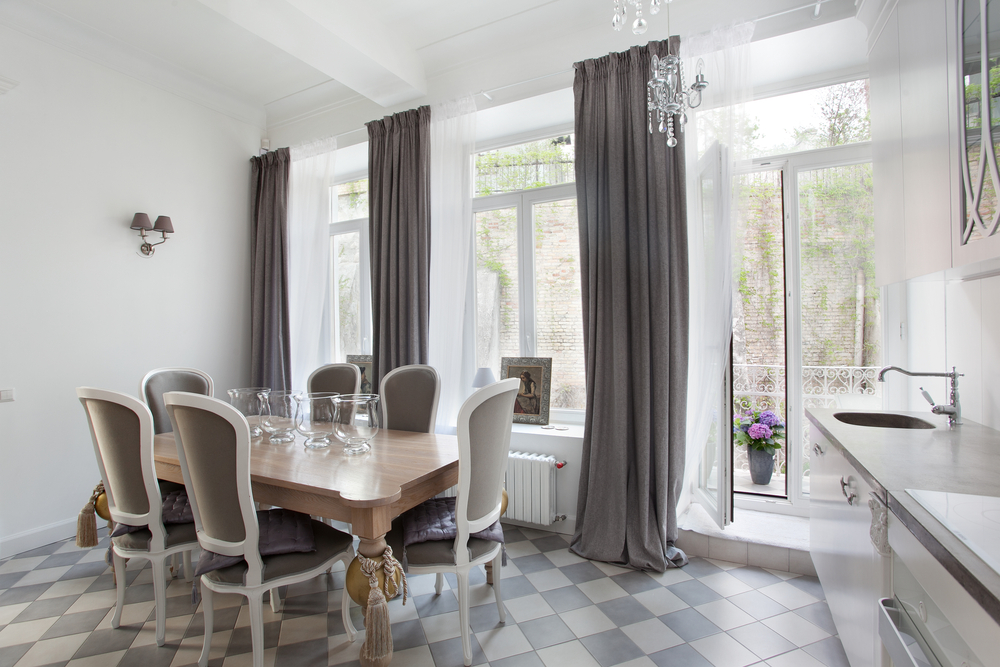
163, 225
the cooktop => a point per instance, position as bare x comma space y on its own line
975, 520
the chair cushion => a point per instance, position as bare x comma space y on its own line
434, 552
329, 543
177, 533
434, 519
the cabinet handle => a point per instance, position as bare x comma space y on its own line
817, 449
851, 497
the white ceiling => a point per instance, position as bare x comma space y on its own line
310, 68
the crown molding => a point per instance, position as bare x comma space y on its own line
67, 34
7, 84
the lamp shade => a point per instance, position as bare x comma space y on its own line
141, 221
163, 224
484, 376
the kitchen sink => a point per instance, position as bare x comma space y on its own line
881, 420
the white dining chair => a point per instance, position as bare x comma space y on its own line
213, 447
122, 430
159, 381
484, 426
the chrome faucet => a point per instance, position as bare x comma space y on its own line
954, 410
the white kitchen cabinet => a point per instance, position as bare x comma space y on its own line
853, 573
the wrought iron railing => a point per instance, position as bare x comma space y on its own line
759, 387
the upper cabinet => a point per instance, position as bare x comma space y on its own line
935, 118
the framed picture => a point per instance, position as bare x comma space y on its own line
532, 403
364, 362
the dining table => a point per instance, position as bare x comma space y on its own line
368, 490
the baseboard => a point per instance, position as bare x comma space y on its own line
565, 527
37, 537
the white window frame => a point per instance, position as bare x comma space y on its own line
523, 201
359, 225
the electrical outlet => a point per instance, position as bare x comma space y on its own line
6, 395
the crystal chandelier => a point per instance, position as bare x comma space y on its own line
666, 96
639, 25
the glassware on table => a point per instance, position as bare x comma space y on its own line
277, 415
248, 401
356, 421
314, 418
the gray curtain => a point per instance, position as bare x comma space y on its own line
270, 360
399, 219
633, 261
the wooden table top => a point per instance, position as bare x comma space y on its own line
398, 461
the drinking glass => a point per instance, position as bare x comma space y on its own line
277, 415
248, 401
356, 421
314, 417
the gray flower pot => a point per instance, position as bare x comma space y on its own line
761, 465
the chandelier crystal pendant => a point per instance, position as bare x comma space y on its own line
639, 25
666, 96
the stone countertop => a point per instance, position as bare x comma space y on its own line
960, 459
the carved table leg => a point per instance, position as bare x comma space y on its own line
371, 525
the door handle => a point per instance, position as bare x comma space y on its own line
817, 449
851, 497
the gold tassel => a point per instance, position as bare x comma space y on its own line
86, 522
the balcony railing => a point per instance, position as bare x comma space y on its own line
760, 387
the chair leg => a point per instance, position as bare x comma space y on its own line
256, 603
276, 604
345, 614
160, 600
438, 583
119, 565
497, 564
173, 566
463, 614
208, 610
187, 567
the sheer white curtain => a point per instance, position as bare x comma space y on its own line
716, 144
452, 329
309, 256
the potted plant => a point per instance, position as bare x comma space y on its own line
762, 431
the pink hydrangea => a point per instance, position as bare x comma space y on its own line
759, 432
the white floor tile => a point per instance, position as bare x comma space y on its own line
638, 662
782, 574
343, 650
522, 548
132, 614
652, 635
546, 580
562, 557
499, 643
45, 576
11, 611
725, 614
102, 660
724, 564
725, 584
246, 659
21, 564
297, 630
660, 601
795, 629
174, 628
190, 649
439, 627
602, 590
723, 651
787, 595
52, 650
611, 570
571, 653
22, 633
71, 587
586, 621
418, 656
798, 658
671, 576
528, 608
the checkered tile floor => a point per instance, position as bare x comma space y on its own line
56, 604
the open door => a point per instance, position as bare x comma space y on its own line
711, 312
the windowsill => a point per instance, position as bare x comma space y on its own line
570, 430
777, 530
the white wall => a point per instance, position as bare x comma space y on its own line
950, 322
82, 148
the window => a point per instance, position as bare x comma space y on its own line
350, 275
528, 299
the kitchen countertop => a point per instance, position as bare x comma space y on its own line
963, 459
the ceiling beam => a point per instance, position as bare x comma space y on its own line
339, 38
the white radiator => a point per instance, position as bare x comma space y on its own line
531, 488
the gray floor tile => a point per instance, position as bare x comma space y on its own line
757, 604
105, 582
517, 587
581, 572
829, 651
223, 619
533, 563
107, 641
241, 642
546, 631
140, 593
312, 653
819, 615
699, 567
477, 575
689, 624
61, 560
522, 660
809, 585
9, 655
149, 656
485, 617
306, 605
625, 611
762, 640
431, 605
680, 656
566, 598
85, 570
22, 594
635, 582
9, 579
512, 535
754, 576
407, 634
449, 653
550, 543
694, 592
612, 647
74, 624
46, 608
42, 551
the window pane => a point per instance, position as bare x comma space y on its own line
352, 200
497, 332
525, 166
841, 327
817, 118
558, 305
759, 318
345, 252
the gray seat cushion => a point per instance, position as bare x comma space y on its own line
433, 552
329, 543
177, 533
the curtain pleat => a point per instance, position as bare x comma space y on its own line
400, 236
634, 270
270, 355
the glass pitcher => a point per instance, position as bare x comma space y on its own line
248, 401
277, 415
356, 421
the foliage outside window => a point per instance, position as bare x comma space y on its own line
535, 164
350, 312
